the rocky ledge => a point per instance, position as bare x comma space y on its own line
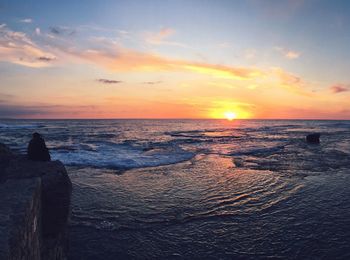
34, 208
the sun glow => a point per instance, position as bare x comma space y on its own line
230, 115
229, 110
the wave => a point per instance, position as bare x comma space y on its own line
258, 151
345, 123
121, 156
22, 126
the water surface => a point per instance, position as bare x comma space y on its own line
201, 188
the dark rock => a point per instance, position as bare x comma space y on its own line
313, 138
20, 167
4, 150
20, 223
57, 189
37, 150
49, 211
5, 157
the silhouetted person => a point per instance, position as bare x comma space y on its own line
37, 150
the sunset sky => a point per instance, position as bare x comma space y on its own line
175, 59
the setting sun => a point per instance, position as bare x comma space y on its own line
230, 115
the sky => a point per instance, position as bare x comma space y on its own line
264, 59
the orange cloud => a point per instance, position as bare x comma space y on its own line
17, 47
291, 82
289, 54
159, 38
286, 78
224, 72
338, 88
122, 59
156, 38
292, 55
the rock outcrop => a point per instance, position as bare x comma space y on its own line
313, 138
35, 208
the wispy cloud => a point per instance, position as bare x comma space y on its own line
5, 98
27, 20
287, 78
224, 45
109, 81
225, 72
290, 82
338, 88
160, 37
16, 111
44, 110
55, 30
46, 58
250, 53
289, 54
122, 59
59, 30
152, 82
17, 47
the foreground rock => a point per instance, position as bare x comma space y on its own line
35, 208
313, 138
4, 150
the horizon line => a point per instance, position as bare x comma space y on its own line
135, 118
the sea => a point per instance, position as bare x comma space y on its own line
201, 189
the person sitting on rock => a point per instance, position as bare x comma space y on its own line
37, 150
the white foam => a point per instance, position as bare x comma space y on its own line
122, 156
23, 126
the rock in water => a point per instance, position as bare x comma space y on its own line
313, 138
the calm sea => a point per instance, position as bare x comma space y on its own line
201, 188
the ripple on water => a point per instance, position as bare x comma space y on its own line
241, 189
192, 195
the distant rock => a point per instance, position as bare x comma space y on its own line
313, 138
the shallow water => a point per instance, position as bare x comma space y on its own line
201, 188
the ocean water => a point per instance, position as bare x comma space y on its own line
201, 189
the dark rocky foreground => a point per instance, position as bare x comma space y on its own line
34, 208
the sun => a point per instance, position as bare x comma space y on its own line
230, 115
